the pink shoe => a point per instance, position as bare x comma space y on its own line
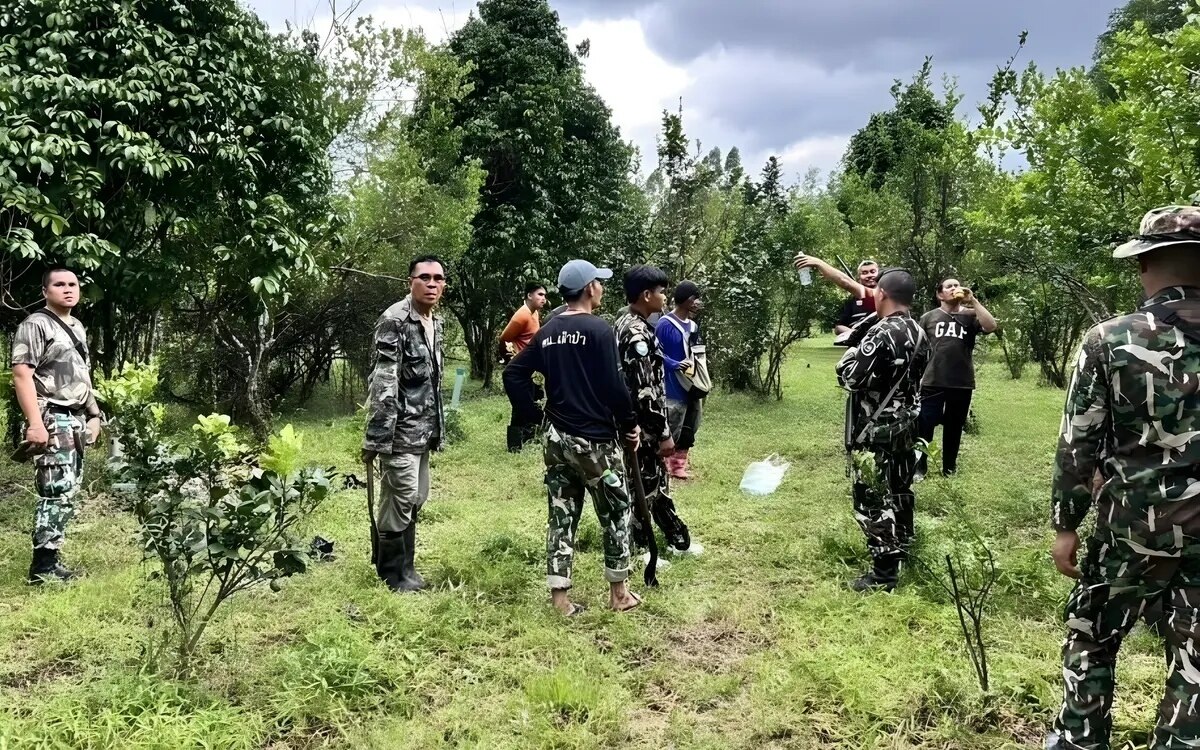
677, 464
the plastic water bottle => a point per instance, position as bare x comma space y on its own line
460, 374
805, 276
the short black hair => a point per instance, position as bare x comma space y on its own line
685, 290
51, 271
574, 296
532, 287
898, 284
643, 278
425, 259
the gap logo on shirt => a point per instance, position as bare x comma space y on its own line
949, 329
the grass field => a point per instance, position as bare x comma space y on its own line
757, 644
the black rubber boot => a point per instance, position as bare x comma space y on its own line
45, 566
390, 559
412, 580
882, 577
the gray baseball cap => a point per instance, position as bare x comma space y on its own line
579, 273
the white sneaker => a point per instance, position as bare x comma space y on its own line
663, 563
695, 550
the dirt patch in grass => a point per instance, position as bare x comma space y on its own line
58, 669
715, 647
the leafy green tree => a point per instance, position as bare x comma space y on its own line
148, 144
557, 171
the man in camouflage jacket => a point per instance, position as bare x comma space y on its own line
644, 373
405, 419
1133, 413
883, 372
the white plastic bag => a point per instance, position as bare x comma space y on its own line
763, 477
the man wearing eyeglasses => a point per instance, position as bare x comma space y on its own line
405, 418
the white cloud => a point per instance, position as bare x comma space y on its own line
636, 83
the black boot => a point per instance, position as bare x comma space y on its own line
882, 577
412, 580
514, 439
45, 566
390, 559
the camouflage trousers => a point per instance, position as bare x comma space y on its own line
575, 465
657, 484
58, 473
1116, 587
883, 499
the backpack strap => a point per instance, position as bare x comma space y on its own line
79, 347
687, 344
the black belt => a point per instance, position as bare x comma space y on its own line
56, 409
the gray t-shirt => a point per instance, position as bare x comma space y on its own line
951, 345
60, 375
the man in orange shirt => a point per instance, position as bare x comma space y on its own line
520, 330
525, 322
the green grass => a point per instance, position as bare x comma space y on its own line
758, 644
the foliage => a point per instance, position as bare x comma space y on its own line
156, 144
557, 170
215, 516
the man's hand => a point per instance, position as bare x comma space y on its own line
1064, 552
688, 367
806, 261
37, 436
93, 430
666, 447
632, 439
369, 456
968, 297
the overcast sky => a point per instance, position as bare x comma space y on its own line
793, 78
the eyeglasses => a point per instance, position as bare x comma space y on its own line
425, 278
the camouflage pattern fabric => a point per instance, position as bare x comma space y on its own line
1132, 411
57, 478
883, 374
61, 376
1161, 227
645, 376
574, 465
404, 399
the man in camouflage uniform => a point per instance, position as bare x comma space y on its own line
883, 372
54, 389
405, 418
642, 367
586, 405
1133, 412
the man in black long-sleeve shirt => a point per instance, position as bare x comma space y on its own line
586, 404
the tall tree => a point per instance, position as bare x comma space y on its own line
150, 143
557, 169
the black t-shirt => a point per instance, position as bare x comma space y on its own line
951, 343
585, 393
853, 311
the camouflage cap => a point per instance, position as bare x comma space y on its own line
1168, 225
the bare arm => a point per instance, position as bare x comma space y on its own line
832, 274
27, 398
986, 322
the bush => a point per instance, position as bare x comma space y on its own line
214, 515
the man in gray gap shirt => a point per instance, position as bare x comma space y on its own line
949, 380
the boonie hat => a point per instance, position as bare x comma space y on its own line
577, 274
1168, 225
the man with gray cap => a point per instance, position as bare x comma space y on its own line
883, 374
589, 409
1133, 412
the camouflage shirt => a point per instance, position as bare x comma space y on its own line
642, 367
1133, 412
404, 400
60, 374
884, 375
